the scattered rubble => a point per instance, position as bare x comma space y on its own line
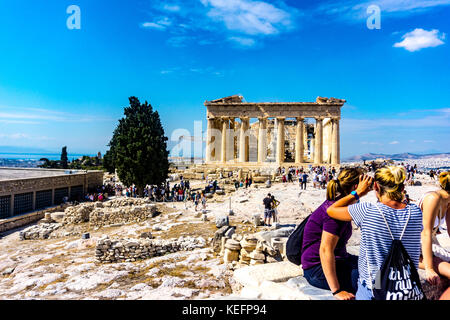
39, 231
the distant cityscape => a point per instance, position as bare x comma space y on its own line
428, 161
30, 160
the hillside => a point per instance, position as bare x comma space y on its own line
398, 156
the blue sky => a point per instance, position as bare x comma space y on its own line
61, 86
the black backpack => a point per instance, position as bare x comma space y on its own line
295, 242
398, 278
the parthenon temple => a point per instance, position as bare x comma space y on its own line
282, 134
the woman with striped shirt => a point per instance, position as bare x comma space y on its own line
378, 221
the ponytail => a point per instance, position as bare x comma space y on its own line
342, 186
332, 190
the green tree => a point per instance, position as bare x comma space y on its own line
108, 160
64, 159
138, 148
52, 164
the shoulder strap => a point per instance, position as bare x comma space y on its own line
401, 236
404, 228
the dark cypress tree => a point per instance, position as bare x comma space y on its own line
138, 148
64, 159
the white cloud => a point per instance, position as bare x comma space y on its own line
161, 24
405, 5
355, 10
245, 42
372, 143
420, 39
394, 142
437, 118
428, 141
18, 122
153, 25
183, 71
21, 115
172, 7
23, 136
179, 41
249, 17
208, 22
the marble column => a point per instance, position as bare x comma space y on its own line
230, 141
318, 152
243, 150
262, 140
209, 140
335, 147
299, 147
216, 152
280, 140
330, 128
225, 129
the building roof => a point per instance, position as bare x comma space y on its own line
238, 100
29, 173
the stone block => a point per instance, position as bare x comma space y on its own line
57, 216
222, 221
232, 245
146, 235
230, 232
257, 220
230, 256
270, 290
311, 293
279, 244
257, 255
279, 233
277, 272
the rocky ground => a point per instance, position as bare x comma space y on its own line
64, 266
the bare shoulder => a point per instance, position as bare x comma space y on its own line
430, 203
431, 197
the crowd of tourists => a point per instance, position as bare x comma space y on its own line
324, 257
179, 192
247, 182
320, 176
100, 193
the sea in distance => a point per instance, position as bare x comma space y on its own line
37, 156
31, 160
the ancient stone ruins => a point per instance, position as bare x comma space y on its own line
280, 136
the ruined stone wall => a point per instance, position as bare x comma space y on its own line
25, 219
99, 214
129, 250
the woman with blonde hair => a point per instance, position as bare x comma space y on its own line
325, 261
435, 206
390, 218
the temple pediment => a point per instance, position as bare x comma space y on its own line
230, 99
